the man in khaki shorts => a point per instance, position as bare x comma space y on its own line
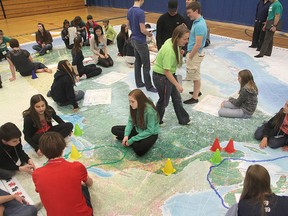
195, 55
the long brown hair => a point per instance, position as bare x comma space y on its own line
77, 45
178, 32
278, 119
63, 66
256, 185
137, 115
248, 80
33, 113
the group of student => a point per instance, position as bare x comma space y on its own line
142, 129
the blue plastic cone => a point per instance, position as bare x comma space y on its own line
34, 76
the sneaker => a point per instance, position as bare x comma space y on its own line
152, 89
191, 101
252, 46
199, 94
258, 56
187, 123
140, 86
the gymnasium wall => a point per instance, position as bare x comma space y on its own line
231, 11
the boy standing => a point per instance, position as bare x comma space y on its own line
136, 22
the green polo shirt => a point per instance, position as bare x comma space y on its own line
275, 8
166, 58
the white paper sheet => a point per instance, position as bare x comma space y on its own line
210, 104
97, 96
110, 78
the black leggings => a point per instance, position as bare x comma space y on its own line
90, 70
64, 129
105, 62
140, 147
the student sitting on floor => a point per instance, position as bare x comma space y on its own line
86, 71
12, 156
38, 120
44, 40
257, 197
245, 105
90, 25
23, 62
3, 45
151, 41
110, 33
98, 45
142, 129
62, 185
15, 205
65, 34
121, 38
62, 89
79, 24
274, 133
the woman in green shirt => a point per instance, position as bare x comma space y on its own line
168, 59
142, 129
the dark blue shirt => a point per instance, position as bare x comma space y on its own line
136, 16
262, 10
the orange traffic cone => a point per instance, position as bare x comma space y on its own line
230, 147
216, 145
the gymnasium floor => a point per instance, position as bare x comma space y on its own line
125, 184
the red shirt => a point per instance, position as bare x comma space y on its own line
59, 186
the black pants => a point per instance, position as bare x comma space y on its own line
86, 194
258, 34
6, 174
105, 62
90, 70
64, 129
140, 147
267, 46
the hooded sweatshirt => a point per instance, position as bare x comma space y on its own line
62, 89
247, 100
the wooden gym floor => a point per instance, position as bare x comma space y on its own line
24, 27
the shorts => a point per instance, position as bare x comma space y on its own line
193, 66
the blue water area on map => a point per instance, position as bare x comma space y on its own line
272, 91
100, 172
206, 203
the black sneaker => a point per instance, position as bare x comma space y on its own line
258, 56
252, 46
152, 89
199, 94
191, 101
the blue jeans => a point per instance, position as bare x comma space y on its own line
14, 207
142, 57
166, 89
42, 51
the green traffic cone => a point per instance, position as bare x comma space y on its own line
216, 158
77, 130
